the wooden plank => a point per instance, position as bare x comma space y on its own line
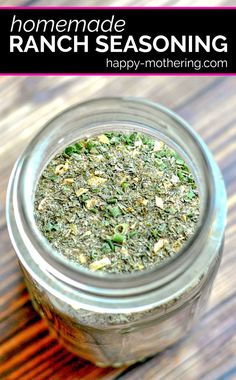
27, 351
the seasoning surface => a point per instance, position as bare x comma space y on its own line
117, 202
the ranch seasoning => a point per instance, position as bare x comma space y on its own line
117, 202
111, 205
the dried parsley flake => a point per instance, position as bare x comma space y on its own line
117, 202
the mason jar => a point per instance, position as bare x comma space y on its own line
116, 319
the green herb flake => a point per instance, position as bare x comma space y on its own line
114, 211
191, 194
118, 238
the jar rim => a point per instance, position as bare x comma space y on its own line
98, 282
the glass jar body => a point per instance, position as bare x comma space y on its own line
109, 339
118, 320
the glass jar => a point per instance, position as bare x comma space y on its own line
118, 319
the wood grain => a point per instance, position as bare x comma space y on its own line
27, 351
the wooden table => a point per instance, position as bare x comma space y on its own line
27, 351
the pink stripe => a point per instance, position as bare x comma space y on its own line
118, 8
117, 74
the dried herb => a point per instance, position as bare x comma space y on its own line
117, 202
